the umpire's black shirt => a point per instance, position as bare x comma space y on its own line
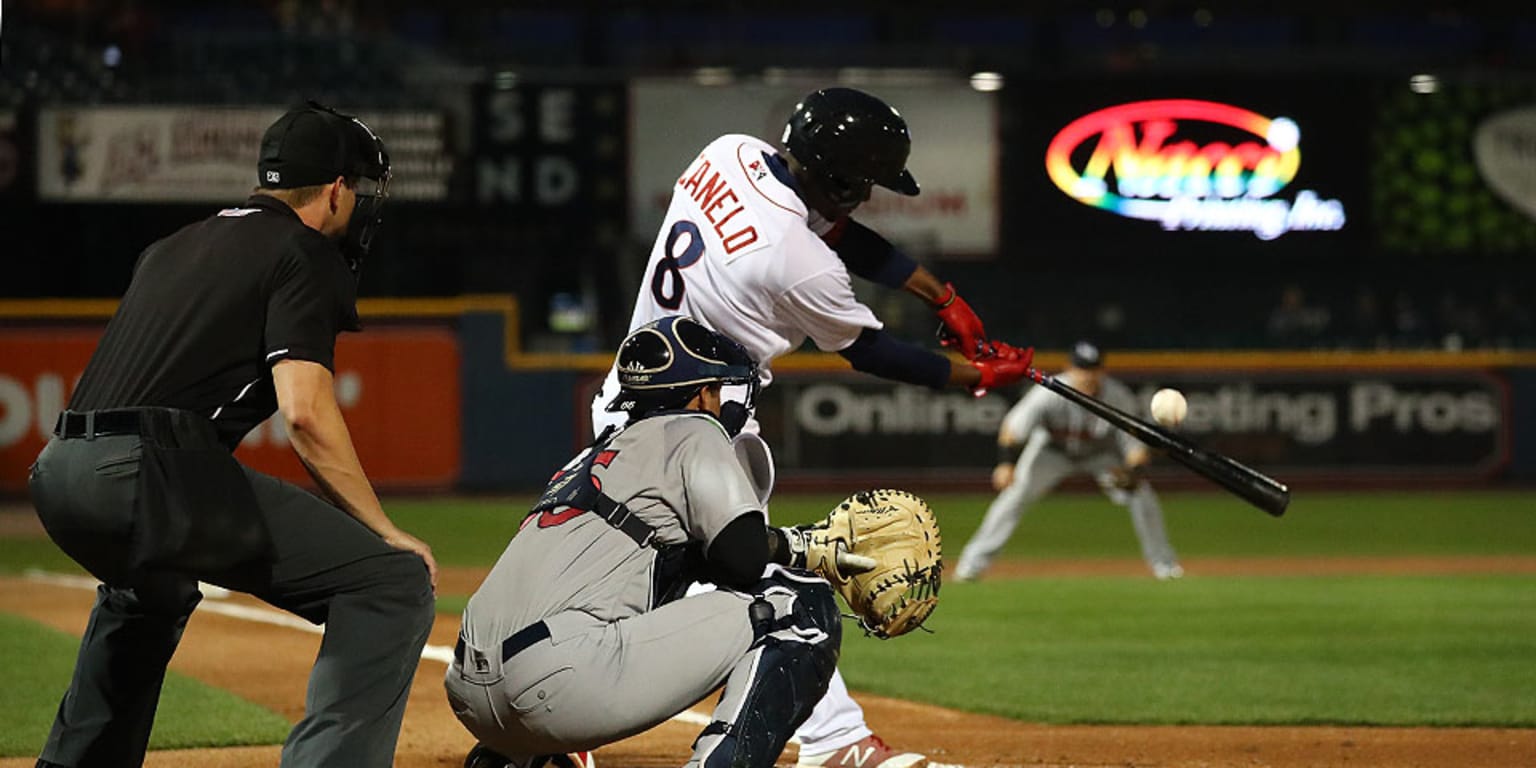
210, 310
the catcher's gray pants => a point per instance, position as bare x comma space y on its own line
375, 601
1039, 470
591, 682
594, 682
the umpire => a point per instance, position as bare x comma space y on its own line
225, 322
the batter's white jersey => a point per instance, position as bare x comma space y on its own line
740, 253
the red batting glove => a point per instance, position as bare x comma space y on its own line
962, 329
1009, 366
1010, 352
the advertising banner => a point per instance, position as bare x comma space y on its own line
954, 154
1235, 169
398, 387
207, 154
1354, 424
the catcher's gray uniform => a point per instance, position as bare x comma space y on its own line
1061, 438
578, 638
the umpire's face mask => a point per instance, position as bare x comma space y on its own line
370, 166
366, 216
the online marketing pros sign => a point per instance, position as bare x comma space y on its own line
1189, 164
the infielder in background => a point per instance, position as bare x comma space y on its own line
758, 244
580, 635
1044, 439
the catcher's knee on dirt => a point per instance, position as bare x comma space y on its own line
772, 690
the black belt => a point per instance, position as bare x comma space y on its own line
94, 424
511, 646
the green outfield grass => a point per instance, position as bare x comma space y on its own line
470, 531
17, 555
1360, 650
1388, 650
1381, 650
40, 660
1077, 526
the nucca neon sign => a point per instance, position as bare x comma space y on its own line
1139, 168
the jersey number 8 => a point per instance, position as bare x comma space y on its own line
672, 264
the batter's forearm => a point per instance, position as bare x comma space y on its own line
963, 375
880, 354
924, 285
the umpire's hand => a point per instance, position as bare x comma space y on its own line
401, 540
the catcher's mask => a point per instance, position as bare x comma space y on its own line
848, 141
313, 144
664, 363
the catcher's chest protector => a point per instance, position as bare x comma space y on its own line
575, 489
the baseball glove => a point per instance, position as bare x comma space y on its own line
881, 550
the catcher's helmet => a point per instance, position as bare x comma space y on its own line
665, 362
849, 140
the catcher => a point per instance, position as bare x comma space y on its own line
580, 635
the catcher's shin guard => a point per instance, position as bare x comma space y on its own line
773, 688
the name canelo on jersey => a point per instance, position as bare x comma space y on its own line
712, 195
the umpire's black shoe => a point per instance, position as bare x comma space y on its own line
485, 757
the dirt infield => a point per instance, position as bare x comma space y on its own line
431, 737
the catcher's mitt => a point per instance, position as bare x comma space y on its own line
891, 540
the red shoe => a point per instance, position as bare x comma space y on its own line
576, 760
869, 752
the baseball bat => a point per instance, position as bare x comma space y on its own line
1245, 482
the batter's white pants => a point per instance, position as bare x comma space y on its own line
1039, 470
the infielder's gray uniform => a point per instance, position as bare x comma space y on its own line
617, 661
1061, 438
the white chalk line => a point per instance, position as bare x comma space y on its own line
274, 617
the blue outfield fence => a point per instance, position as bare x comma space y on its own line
1392, 419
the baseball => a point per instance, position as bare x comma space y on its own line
1169, 407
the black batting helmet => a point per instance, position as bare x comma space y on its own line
665, 362
849, 140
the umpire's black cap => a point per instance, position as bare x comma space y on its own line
1085, 355
313, 144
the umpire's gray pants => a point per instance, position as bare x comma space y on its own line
1039, 470
375, 601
